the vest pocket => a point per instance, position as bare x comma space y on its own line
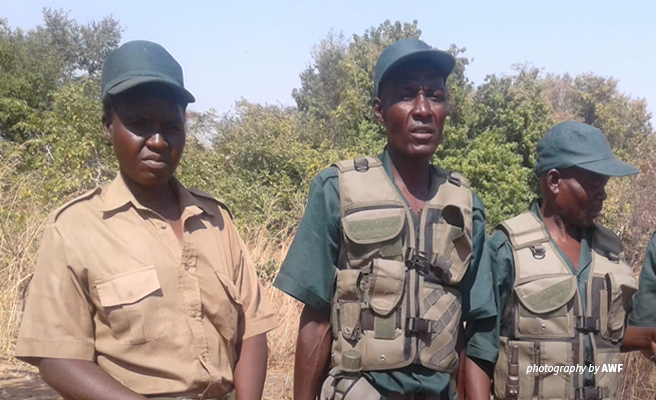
545, 307
385, 286
452, 246
608, 379
615, 302
366, 314
553, 382
371, 234
441, 307
527, 356
131, 302
348, 302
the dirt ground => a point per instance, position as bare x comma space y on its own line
19, 381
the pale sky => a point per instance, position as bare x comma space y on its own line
256, 50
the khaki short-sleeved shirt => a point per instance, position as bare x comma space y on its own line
113, 285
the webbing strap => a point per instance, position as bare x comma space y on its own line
590, 393
524, 230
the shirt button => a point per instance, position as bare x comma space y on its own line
163, 226
193, 314
206, 357
186, 268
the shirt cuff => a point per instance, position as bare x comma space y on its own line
301, 293
260, 325
642, 324
28, 349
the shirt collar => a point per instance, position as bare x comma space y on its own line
118, 195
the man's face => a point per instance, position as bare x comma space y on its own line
412, 106
148, 136
581, 195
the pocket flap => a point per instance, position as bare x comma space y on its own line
546, 294
127, 287
386, 285
621, 284
374, 226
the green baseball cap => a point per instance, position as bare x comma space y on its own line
575, 144
411, 49
139, 62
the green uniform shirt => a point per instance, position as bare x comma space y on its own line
309, 268
643, 312
503, 267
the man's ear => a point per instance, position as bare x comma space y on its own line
553, 181
107, 128
377, 106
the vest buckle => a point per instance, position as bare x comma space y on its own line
587, 324
538, 251
361, 164
613, 257
441, 266
454, 180
417, 260
418, 325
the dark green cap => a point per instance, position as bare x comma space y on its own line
139, 62
575, 144
411, 49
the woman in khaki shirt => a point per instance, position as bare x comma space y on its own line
143, 289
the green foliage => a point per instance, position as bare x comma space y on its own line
494, 169
337, 89
261, 162
260, 159
597, 101
34, 64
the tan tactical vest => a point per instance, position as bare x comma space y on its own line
396, 298
544, 323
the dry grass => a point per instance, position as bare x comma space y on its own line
21, 221
268, 252
639, 380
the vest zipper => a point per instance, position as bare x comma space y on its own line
416, 286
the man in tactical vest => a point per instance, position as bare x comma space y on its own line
563, 285
642, 321
388, 253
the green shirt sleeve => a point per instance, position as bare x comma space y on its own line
479, 307
643, 312
503, 270
309, 268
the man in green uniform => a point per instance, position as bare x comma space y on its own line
389, 250
642, 321
563, 285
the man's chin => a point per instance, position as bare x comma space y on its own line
422, 150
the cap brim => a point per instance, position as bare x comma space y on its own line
183, 93
609, 167
443, 61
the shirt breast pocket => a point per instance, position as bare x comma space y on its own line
225, 309
131, 302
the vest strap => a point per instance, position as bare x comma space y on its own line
525, 230
590, 393
607, 243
